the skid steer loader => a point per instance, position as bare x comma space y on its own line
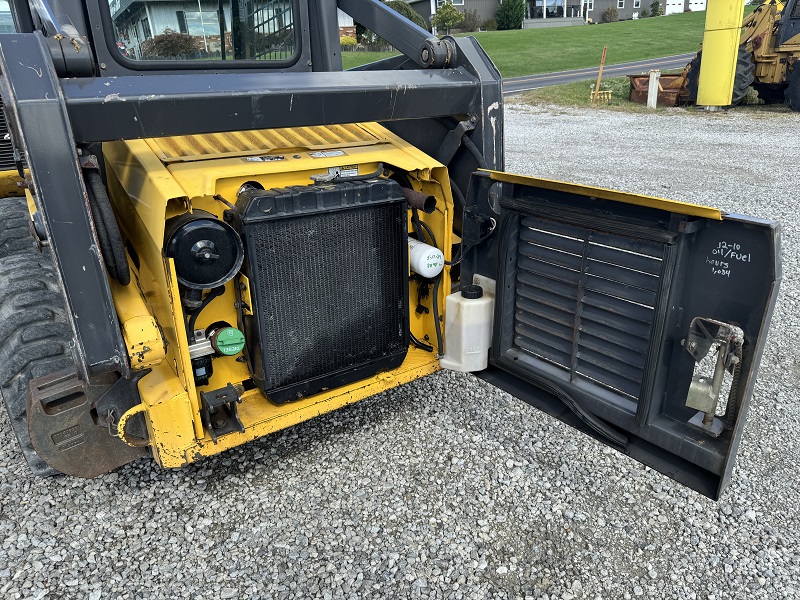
229, 236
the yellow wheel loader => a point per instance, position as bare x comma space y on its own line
229, 235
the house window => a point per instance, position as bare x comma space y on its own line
620, 3
637, 3
181, 21
589, 5
146, 33
453, 2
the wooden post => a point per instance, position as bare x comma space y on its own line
652, 89
600, 72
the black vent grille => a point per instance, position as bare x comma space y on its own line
332, 296
6, 149
584, 301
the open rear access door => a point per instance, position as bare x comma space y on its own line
638, 320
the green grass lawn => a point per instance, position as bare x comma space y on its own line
530, 51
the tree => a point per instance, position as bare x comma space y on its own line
169, 44
656, 9
510, 14
446, 17
409, 13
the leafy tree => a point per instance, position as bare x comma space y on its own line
169, 44
471, 20
610, 15
510, 14
446, 17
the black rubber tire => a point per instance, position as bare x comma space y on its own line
693, 78
745, 76
15, 235
35, 338
770, 93
792, 93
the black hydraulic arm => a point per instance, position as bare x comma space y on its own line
410, 39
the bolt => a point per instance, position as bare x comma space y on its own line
692, 346
102, 65
425, 55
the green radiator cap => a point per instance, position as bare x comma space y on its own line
228, 341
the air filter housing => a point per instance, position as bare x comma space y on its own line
328, 273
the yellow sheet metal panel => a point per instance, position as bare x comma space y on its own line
264, 141
675, 206
143, 341
718, 67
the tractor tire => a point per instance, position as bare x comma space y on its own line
35, 338
770, 93
745, 76
693, 77
792, 93
15, 236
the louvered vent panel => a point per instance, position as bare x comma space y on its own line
584, 301
6, 149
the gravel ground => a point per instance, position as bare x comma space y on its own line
448, 488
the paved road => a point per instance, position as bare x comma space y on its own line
514, 85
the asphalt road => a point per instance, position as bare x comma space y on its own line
514, 85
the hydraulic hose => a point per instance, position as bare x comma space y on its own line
113, 238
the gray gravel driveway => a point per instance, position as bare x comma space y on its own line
448, 488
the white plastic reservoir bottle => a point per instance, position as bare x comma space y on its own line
468, 329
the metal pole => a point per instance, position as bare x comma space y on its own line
652, 89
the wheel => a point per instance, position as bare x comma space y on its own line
35, 338
15, 236
792, 93
693, 77
770, 93
745, 75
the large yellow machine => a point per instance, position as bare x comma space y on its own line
233, 236
759, 51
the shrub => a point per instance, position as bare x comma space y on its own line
489, 25
169, 44
643, 14
446, 17
510, 14
610, 15
348, 42
471, 20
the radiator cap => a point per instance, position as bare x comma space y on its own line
472, 292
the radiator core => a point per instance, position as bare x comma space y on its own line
328, 273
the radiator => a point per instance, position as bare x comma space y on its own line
328, 275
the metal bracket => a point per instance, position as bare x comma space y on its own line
452, 142
219, 412
704, 390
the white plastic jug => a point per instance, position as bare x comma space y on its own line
468, 329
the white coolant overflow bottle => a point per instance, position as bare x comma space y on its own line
425, 260
468, 330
